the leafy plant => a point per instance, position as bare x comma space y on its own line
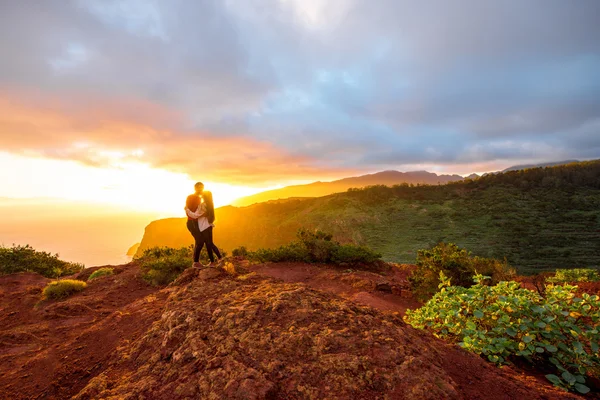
505, 321
161, 265
100, 272
63, 288
575, 275
240, 252
456, 263
26, 259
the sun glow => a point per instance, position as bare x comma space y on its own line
130, 185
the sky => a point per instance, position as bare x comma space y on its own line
131, 101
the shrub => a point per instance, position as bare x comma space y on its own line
317, 247
351, 254
575, 275
99, 273
505, 321
240, 252
161, 265
26, 259
457, 264
63, 288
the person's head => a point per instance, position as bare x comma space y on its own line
210, 206
199, 187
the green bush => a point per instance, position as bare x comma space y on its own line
351, 254
100, 272
575, 275
161, 265
505, 321
240, 252
26, 259
317, 247
457, 264
63, 288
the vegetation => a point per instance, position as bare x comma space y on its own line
539, 219
161, 265
575, 275
504, 321
455, 263
26, 259
100, 272
63, 288
240, 252
315, 247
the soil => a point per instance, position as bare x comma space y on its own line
51, 349
385, 291
286, 331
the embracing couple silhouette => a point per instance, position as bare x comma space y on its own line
200, 211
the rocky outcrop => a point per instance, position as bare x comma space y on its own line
226, 335
250, 337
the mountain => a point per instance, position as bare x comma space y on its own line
318, 189
132, 250
538, 219
542, 165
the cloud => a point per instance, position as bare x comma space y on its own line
302, 86
99, 134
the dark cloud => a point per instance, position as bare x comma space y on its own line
335, 84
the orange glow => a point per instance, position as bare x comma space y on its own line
132, 186
128, 133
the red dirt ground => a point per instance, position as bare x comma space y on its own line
388, 291
51, 350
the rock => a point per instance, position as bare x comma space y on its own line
384, 287
222, 337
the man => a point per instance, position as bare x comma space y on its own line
192, 202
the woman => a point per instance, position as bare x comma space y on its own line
206, 218
192, 202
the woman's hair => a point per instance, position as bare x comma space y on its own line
210, 206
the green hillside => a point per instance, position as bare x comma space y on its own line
538, 219
318, 189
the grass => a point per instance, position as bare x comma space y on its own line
57, 290
100, 273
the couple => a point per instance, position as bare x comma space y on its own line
200, 210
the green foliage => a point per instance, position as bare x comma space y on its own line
505, 321
522, 216
354, 255
456, 264
100, 272
63, 288
240, 252
575, 275
162, 265
26, 259
317, 247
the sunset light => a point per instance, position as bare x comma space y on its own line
130, 185
370, 170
